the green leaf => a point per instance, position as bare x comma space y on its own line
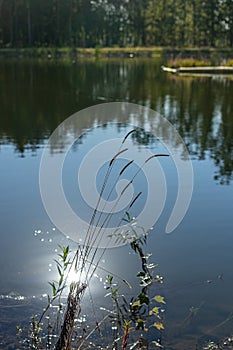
127, 283
141, 274
109, 279
67, 263
136, 304
57, 262
54, 289
140, 324
135, 232
114, 292
125, 220
59, 270
154, 311
128, 215
65, 253
60, 280
159, 299
127, 323
144, 299
159, 326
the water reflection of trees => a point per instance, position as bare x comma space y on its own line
202, 111
37, 97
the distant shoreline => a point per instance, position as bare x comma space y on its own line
77, 53
113, 52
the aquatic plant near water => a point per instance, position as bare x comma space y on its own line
132, 317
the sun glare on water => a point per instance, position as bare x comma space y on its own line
76, 276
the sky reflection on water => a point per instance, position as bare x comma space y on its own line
199, 250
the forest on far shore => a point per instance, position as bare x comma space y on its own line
91, 23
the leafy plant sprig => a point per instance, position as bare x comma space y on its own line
138, 313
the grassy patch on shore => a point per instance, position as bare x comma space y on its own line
188, 62
198, 57
192, 62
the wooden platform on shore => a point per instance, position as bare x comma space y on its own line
199, 70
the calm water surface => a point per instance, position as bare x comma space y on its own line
195, 260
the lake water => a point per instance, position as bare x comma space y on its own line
195, 260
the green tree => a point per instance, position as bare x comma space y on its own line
227, 21
161, 22
137, 21
89, 23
